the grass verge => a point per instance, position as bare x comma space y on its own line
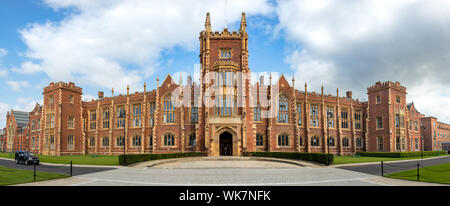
353, 159
435, 174
9, 176
76, 159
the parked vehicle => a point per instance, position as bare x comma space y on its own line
26, 158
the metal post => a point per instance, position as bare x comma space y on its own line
125, 138
71, 168
382, 169
34, 171
418, 178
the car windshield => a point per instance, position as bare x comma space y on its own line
29, 154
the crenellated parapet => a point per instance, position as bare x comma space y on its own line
63, 85
385, 85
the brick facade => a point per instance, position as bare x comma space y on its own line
177, 117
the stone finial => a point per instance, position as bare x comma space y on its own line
112, 92
189, 80
322, 89
128, 89
243, 28
208, 23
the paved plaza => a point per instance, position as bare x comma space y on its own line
231, 172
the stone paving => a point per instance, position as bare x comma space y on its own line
224, 172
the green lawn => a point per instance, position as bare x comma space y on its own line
435, 174
361, 159
76, 159
9, 176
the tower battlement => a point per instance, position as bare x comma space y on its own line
63, 85
385, 85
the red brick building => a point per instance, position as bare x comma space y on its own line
435, 133
224, 114
16, 130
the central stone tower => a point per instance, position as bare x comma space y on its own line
224, 89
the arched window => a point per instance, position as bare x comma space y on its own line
283, 140
331, 142
92, 142
136, 140
315, 141
105, 141
169, 140
345, 142
259, 140
283, 109
169, 110
120, 141
359, 142
192, 139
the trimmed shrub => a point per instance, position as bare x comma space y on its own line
400, 154
312, 157
135, 158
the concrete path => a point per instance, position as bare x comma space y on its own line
228, 172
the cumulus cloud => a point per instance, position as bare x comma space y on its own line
353, 44
17, 85
119, 42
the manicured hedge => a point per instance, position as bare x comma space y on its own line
400, 154
312, 157
135, 158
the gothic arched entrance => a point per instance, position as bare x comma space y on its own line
226, 144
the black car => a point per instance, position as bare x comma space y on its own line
26, 158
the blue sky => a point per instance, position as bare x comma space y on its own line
100, 44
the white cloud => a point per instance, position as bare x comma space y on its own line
17, 85
353, 44
101, 41
88, 97
4, 108
3, 72
28, 68
26, 104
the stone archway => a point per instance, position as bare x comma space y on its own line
225, 144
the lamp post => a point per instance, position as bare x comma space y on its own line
328, 136
19, 130
421, 141
124, 116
